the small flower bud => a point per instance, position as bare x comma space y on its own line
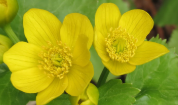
5, 44
89, 97
8, 10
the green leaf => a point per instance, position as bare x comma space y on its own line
116, 93
167, 14
159, 40
8, 94
157, 80
61, 100
173, 42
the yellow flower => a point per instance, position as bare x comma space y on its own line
119, 40
89, 97
56, 57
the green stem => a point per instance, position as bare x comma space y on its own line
103, 77
7, 28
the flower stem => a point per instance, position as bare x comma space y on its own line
7, 28
103, 77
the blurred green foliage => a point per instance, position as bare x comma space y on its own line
173, 42
167, 14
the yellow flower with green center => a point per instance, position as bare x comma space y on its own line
56, 57
119, 40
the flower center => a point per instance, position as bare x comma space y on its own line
120, 45
56, 60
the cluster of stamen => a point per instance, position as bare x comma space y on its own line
120, 45
56, 60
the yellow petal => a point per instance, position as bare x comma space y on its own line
93, 93
137, 23
74, 26
147, 52
41, 26
100, 46
81, 54
55, 89
79, 78
87, 102
22, 56
30, 80
118, 68
107, 16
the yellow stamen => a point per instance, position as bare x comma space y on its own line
120, 45
56, 60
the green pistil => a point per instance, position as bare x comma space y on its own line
57, 61
119, 44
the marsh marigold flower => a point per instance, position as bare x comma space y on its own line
56, 57
119, 40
